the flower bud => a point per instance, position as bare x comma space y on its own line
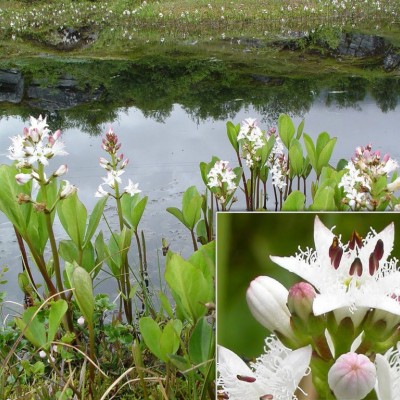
42, 354
352, 376
23, 178
267, 299
395, 185
300, 300
68, 190
62, 169
81, 321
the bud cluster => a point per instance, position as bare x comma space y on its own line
362, 177
115, 168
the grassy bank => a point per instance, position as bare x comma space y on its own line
121, 28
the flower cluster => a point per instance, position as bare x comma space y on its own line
362, 172
252, 139
223, 177
347, 311
33, 150
115, 168
36, 145
279, 171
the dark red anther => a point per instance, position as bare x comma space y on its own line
373, 264
355, 239
356, 267
244, 378
335, 253
267, 397
378, 251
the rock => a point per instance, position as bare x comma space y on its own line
268, 80
360, 45
391, 61
11, 86
63, 95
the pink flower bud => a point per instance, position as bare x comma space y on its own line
352, 376
56, 135
300, 299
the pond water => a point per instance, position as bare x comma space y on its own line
169, 122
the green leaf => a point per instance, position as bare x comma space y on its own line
180, 362
8, 199
325, 155
322, 140
232, 132
35, 330
294, 202
151, 334
310, 148
286, 129
94, 219
73, 214
133, 209
296, 157
342, 164
188, 285
169, 341
204, 259
178, 214
166, 305
57, 311
300, 130
324, 199
68, 251
84, 293
201, 344
191, 206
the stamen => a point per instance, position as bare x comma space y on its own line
244, 378
355, 239
267, 397
335, 253
356, 267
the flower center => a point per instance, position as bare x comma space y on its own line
356, 267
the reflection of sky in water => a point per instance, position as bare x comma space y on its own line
165, 157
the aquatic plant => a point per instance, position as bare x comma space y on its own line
72, 346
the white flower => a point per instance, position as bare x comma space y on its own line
388, 373
113, 177
81, 321
67, 190
267, 298
101, 192
42, 354
31, 148
276, 373
350, 278
132, 189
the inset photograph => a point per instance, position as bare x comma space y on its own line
308, 305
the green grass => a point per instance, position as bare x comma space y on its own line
123, 27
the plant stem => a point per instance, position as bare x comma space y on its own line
246, 193
194, 240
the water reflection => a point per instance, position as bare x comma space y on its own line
171, 118
89, 93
